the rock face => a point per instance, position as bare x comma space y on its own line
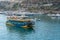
7, 5
36, 5
31, 5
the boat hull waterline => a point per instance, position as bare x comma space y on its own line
23, 24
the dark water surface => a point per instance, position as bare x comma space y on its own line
46, 29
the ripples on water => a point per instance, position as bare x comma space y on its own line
46, 29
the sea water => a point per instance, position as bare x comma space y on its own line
45, 29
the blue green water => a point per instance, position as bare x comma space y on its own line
46, 29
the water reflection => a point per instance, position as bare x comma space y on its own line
20, 30
20, 33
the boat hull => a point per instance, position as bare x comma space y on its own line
24, 24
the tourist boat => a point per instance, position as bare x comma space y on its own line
20, 21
